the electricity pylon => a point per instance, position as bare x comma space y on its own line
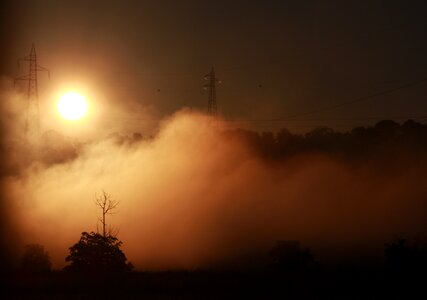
32, 118
212, 105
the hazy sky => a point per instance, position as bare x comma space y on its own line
140, 61
275, 58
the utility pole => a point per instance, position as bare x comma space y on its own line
32, 118
212, 105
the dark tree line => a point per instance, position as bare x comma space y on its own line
404, 256
386, 138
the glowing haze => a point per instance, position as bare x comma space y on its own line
193, 197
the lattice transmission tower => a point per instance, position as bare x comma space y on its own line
32, 118
211, 86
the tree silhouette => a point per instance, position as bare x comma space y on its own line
36, 260
107, 205
95, 253
288, 256
99, 253
401, 255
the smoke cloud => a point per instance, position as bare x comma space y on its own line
195, 197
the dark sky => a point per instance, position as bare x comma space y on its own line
275, 58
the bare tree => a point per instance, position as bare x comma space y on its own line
107, 205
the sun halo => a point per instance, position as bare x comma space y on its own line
72, 106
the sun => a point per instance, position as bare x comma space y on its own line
72, 106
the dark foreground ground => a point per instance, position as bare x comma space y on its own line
338, 283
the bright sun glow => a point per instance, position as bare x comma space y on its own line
72, 106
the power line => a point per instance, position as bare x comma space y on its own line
294, 118
360, 99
